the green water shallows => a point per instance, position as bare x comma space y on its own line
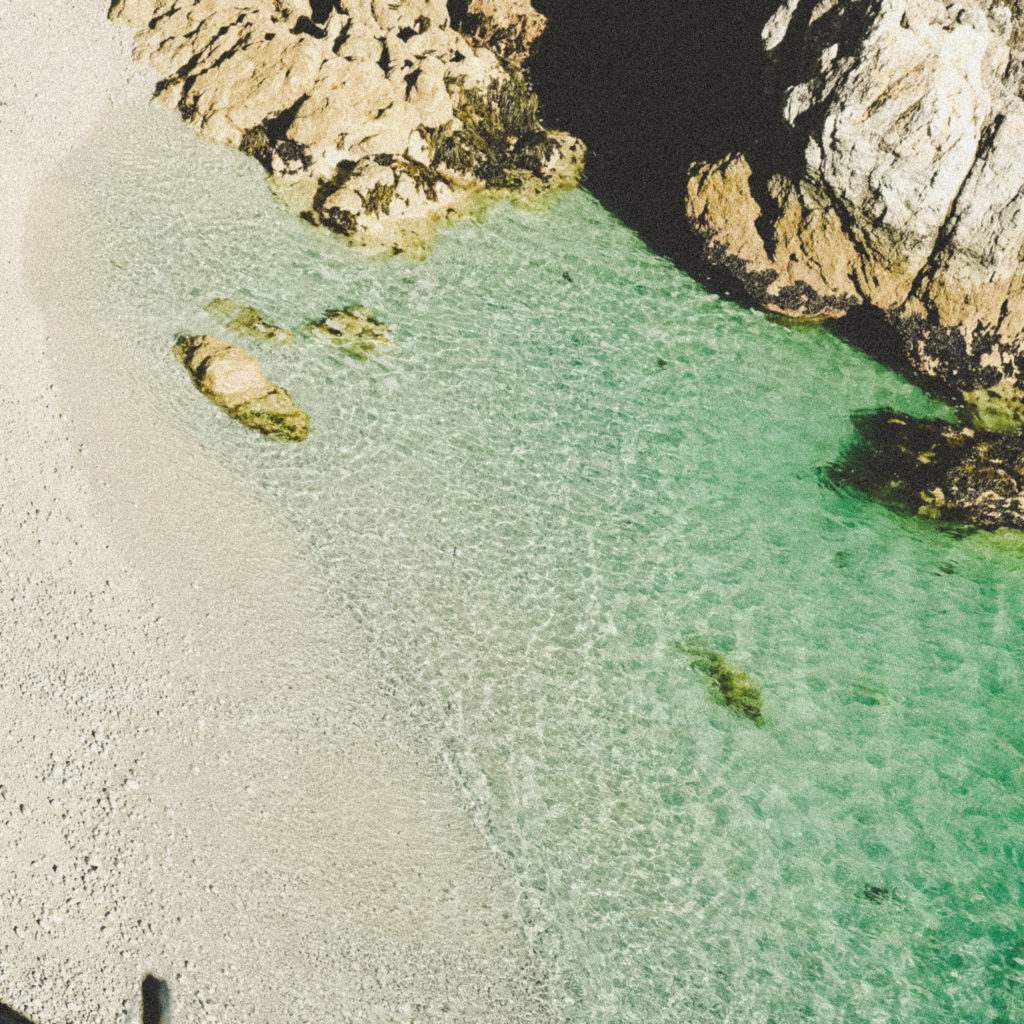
573, 461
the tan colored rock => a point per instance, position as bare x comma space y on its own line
380, 81
508, 27
233, 380
132, 12
801, 267
973, 286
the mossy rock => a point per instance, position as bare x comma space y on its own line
731, 687
275, 414
248, 321
493, 123
963, 476
998, 409
356, 331
232, 379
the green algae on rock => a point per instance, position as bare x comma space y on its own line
344, 109
356, 331
945, 471
998, 408
732, 687
233, 380
248, 321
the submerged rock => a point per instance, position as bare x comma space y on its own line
248, 321
877, 893
232, 379
732, 687
369, 117
892, 178
356, 331
941, 470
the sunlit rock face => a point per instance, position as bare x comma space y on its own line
375, 118
232, 379
892, 177
508, 27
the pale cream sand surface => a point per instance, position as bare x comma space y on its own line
200, 776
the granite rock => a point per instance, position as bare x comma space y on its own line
352, 107
892, 178
233, 380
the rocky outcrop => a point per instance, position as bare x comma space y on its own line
233, 380
508, 27
799, 265
946, 471
356, 331
893, 179
375, 118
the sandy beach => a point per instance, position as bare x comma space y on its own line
200, 777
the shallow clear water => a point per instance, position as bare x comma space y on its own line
573, 461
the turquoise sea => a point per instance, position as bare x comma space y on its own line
574, 461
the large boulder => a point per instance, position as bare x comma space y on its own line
893, 179
233, 380
375, 118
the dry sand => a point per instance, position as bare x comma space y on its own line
200, 777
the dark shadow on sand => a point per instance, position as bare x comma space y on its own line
9, 1016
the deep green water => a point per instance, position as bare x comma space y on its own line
573, 460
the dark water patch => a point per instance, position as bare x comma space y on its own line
959, 476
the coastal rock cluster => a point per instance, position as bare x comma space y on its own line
233, 380
892, 178
374, 118
946, 471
